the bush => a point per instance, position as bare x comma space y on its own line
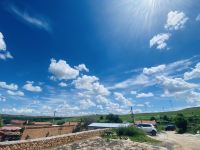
129, 131
181, 123
113, 119
61, 122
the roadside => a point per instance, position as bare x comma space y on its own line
173, 141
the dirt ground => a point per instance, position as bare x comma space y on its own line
98, 143
175, 141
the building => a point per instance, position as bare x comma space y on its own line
19, 123
108, 125
70, 123
10, 133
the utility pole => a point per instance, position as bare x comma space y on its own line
132, 115
54, 114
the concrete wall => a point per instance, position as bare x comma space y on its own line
49, 142
38, 132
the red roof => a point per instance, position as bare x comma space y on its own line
153, 122
10, 128
18, 122
70, 123
41, 123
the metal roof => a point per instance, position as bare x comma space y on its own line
109, 125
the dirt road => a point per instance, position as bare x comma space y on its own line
175, 141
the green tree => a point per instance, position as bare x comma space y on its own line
152, 118
111, 118
1, 121
181, 123
60, 122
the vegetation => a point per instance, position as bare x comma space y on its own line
111, 118
60, 122
181, 123
1, 122
133, 133
192, 115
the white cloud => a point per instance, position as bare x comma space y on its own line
62, 71
90, 83
2, 98
62, 84
141, 79
11, 86
2, 43
35, 20
120, 97
175, 85
153, 70
82, 67
198, 17
195, 73
4, 54
133, 92
29, 87
176, 20
15, 93
159, 40
18, 110
144, 95
87, 103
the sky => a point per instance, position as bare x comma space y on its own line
99, 57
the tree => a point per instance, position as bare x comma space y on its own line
1, 121
101, 117
152, 118
181, 123
60, 122
111, 118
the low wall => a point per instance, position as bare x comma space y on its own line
49, 142
38, 132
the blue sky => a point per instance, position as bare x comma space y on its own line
87, 57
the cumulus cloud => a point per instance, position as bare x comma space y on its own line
90, 83
4, 54
62, 70
195, 73
175, 85
153, 70
31, 19
2, 43
144, 95
30, 87
198, 17
159, 41
82, 67
176, 20
15, 93
62, 84
120, 97
87, 103
11, 86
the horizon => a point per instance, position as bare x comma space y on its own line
80, 58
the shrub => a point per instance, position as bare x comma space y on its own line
129, 131
61, 122
181, 123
